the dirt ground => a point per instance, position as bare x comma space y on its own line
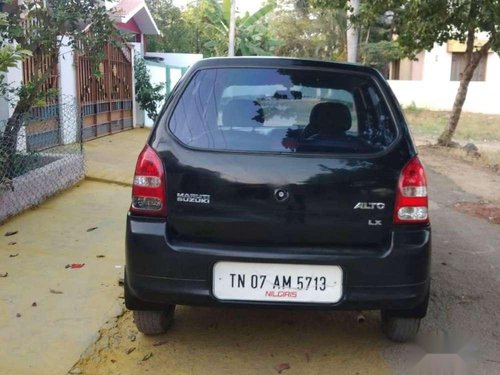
468, 173
234, 341
464, 310
474, 128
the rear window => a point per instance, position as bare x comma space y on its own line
282, 110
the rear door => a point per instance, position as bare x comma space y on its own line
281, 157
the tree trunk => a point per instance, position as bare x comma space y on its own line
473, 61
446, 136
352, 33
8, 141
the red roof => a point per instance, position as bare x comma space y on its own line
137, 10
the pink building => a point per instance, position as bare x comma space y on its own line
134, 18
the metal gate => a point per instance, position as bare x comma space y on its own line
43, 126
106, 99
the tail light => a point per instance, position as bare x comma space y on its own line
411, 198
149, 187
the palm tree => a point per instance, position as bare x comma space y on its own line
252, 36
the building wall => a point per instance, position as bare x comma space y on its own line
437, 65
167, 72
13, 77
137, 50
481, 98
493, 69
435, 90
166, 76
158, 74
417, 71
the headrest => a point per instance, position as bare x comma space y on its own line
329, 118
243, 113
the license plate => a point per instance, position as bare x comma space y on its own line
277, 282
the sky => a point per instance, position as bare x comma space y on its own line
242, 5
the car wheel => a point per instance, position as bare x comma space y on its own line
151, 322
399, 329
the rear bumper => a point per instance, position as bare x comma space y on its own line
158, 273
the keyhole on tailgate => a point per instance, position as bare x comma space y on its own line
281, 195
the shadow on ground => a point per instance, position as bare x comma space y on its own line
234, 341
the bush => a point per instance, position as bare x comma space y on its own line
146, 94
412, 107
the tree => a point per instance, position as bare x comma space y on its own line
9, 56
419, 24
326, 23
303, 31
377, 46
177, 35
379, 54
42, 27
212, 19
146, 94
366, 39
352, 8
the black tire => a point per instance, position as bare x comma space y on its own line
399, 329
151, 322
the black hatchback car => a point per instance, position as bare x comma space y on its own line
281, 183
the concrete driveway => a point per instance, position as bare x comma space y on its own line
50, 314
49, 338
113, 158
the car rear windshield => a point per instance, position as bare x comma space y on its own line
283, 110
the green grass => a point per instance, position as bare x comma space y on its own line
472, 126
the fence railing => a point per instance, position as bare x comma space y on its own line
40, 154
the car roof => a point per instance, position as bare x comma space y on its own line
284, 62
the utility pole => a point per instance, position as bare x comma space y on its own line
232, 29
197, 32
352, 32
